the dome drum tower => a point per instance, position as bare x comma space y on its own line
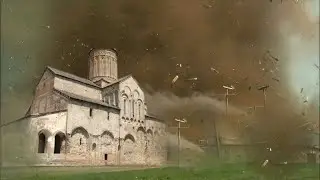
103, 67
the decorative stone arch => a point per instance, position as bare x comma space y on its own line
141, 129
80, 129
135, 108
150, 136
129, 137
149, 131
59, 142
106, 141
125, 103
107, 133
128, 149
140, 109
46, 132
79, 140
136, 94
43, 136
126, 90
141, 136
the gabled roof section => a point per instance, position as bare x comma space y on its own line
154, 117
84, 99
72, 77
119, 80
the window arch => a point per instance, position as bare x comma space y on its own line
139, 109
129, 107
95, 66
79, 140
139, 112
59, 141
133, 109
129, 137
42, 140
125, 106
42, 143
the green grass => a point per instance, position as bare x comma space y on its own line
218, 172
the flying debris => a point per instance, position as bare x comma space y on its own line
274, 58
230, 88
175, 79
193, 79
263, 87
265, 163
214, 70
280, 0
207, 6
301, 90
316, 66
276, 79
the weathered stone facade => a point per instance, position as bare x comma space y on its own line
75, 121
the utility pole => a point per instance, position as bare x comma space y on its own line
217, 134
217, 138
227, 97
179, 128
264, 90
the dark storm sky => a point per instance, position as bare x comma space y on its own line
152, 37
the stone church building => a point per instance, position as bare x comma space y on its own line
101, 120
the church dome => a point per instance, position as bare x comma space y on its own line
103, 66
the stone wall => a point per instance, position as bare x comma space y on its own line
93, 138
77, 88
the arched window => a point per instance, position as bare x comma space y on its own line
109, 99
125, 106
129, 108
133, 109
58, 143
42, 143
139, 111
95, 67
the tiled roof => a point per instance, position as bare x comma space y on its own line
154, 117
72, 77
119, 80
85, 99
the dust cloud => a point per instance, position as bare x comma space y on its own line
152, 37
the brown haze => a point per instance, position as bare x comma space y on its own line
152, 37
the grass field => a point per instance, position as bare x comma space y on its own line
220, 172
